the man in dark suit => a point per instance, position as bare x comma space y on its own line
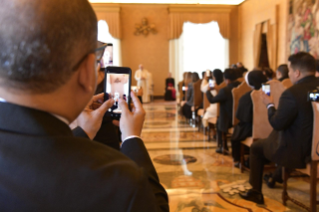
225, 99
289, 144
48, 65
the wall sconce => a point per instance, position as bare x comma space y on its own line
144, 28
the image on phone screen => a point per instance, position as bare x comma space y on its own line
211, 83
266, 89
117, 87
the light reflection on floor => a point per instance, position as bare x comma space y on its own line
195, 177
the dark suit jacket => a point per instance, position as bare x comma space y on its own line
290, 143
225, 98
190, 95
44, 167
244, 114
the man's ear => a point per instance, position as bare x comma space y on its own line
297, 73
87, 74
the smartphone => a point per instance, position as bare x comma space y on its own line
266, 89
117, 86
211, 83
313, 96
108, 55
184, 88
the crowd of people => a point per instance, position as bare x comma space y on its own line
291, 120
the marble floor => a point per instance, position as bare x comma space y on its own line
195, 177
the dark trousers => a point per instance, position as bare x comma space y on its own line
235, 146
187, 111
257, 159
221, 137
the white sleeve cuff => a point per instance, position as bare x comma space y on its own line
129, 137
270, 105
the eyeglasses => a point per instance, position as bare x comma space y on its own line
99, 52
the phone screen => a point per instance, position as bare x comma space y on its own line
117, 86
314, 97
266, 89
211, 83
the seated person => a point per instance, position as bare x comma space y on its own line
269, 73
225, 98
170, 92
187, 106
282, 72
211, 111
46, 83
244, 113
292, 123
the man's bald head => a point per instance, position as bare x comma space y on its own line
42, 40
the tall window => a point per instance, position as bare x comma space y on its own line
105, 36
203, 47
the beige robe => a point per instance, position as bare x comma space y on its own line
144, 83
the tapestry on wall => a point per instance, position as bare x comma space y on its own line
303, 27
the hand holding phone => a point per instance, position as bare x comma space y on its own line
131, 123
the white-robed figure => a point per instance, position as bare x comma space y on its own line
142, 77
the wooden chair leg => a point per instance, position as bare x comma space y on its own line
313, 187
285, 177
242, 157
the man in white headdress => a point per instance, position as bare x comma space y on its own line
142, 77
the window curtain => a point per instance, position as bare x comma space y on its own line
272, 44
257, 44
111, 15
178, 19
178, 16
176, 59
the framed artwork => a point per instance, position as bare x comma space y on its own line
303, 27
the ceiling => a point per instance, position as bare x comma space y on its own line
224, 2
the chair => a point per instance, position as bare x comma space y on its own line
201, 112
261, 126
198, 99
180, 91
287, 83
237, 94
311, 169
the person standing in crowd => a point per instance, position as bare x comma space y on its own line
292, 123
187, 107
244, 114
142, 77
46, 83
225, 99
170, 91
211, 111
282, 72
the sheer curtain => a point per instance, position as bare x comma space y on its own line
105, 36
200, 47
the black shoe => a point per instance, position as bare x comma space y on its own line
254, 196
219, 150
237, 164
269, 180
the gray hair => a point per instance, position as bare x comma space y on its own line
41, 40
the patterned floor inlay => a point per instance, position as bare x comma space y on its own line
196, 178
175, 159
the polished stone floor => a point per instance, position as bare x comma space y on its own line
195, 177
